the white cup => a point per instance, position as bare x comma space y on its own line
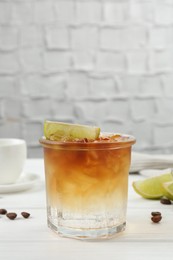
12, 159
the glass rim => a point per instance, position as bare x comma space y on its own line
128, 141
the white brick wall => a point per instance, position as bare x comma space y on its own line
31, 36
110, 62
84, 38
21, 13
137, 62
162, 61
57, 38
9, 63
161, 37
115, 12
9, 37
103, 62
88, 12
65, 12
163, 13
167, 80
56, 61
83, 61
30, 60
43, 12
5, 11
123, 39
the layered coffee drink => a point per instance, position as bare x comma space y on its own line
87, 184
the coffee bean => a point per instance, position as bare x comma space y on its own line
3, 211
156, 218
165, 201
155, 213
25, 214
11, 215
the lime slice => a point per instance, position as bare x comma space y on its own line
168, 188
58, 131
152, 188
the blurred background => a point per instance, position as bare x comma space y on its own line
100, 62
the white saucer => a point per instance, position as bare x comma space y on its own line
25, 182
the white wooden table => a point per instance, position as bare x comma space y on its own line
31, 238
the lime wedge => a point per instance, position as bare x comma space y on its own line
168, 188
58, 131
152, 188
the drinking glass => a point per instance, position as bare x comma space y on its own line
87, 186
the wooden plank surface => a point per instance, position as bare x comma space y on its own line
31, 238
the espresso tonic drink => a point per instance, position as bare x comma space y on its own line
87, 184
